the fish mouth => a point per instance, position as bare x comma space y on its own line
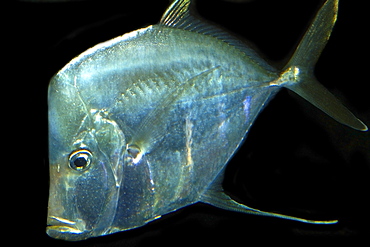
62, 220
61, 228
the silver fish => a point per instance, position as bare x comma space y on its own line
144, 124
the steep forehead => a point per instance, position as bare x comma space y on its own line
72, 90
65, 113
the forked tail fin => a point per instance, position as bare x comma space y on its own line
298, 74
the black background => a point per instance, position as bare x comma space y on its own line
295, 161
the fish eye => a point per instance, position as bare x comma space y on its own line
80, 160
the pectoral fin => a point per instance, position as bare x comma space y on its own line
145, 134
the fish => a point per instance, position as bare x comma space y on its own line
145, 124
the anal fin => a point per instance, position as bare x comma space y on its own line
216, 196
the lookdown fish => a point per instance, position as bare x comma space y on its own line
144, 124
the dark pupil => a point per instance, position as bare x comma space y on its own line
80, 162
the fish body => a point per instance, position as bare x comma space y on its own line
144, 124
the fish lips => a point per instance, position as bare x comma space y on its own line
60, 228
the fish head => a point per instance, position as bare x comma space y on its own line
85, 152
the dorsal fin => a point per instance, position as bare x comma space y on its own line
177, 13
182, 15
